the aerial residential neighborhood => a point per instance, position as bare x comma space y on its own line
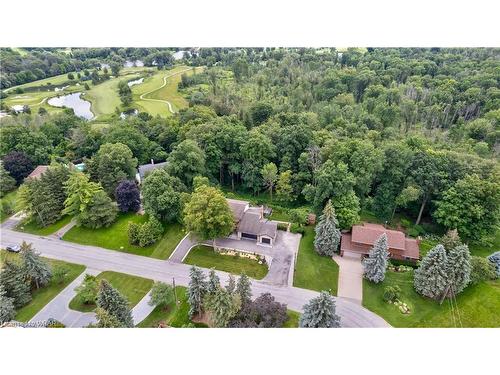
249, 187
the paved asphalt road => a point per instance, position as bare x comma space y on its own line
352, 315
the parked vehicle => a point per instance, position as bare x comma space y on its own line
13, 248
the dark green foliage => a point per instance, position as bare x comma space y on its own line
13, 280
145, 234
161, 294
391, 293
101, 212
114, 303
7, 183
186, 161
263, 312
320, 312
482, 270
196, 291
88, 290
36, 271
18, 165
7, 309
244, 289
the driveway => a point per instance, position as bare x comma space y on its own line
352, 314
350, 278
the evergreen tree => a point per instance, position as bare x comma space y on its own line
221, 306
13, 280
7, 310
35, 269
459, 268
431, 279
320, 312
451, 240
243, 289
105, 320
376, 263
213, 282
327, 237
114, 303
161, 295
231, 285
7, 183
196, 291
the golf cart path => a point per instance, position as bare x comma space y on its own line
170, 108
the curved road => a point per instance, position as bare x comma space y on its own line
352, 314
142, 97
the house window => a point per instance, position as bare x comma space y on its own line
266, 240
249, 236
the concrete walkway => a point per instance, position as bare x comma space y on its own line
351, 314
142, 309
350, 278
61, 232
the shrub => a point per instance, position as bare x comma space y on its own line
133, 233
298, 215
416, 231
495, 259
145, 234
59, 274
295, 228
282, 226
482, 270
391, 293
405, 223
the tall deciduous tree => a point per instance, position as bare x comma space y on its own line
79, 191
35, 269
161, 294
284, 189
207, 214
114, 303
18, 164
196, 291
431, 278
100, 212
376, 263
269, 176
320, 312
256, 150
186, 161
327, 237
128, 196
113, 163
7, 183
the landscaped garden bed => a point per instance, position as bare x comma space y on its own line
228, 261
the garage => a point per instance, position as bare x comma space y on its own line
266, 240
249, 236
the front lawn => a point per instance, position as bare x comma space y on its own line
293, 319
9, 200
44, 295
206, 257
172, 316
115, 237
33, 228
313, 271
478, 305
134, 288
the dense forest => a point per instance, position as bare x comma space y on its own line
405, 130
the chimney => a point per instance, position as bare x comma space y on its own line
152, 162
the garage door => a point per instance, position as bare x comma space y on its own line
266, 240
249, 236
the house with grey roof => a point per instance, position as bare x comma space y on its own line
144, 169
250, 223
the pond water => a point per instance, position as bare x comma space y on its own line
130, 64
73, 101
18, 108
135, 82
179, 55
132, 112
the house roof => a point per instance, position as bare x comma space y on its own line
252, 223
237, 207
368, 233
37, 172
145, 168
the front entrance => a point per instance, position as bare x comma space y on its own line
249, 236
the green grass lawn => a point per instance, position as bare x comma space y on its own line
10, 199
205, 256
44, 295
115, 237
173, 316
478, 305
134, 288
313, 271
152, 88
33, 228
293, 319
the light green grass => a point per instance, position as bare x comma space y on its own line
115, 237
151, 90
478, 305
313, 271
293, 319
33, 228
206, 257
9, 198
174, 315
134, 288
43, 295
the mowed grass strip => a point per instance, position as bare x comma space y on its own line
134, 288
10, 200
313, 271
115, 237
477, 305
206, 257
33, 228
42, 296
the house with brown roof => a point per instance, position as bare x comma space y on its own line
362, 237
250, 223
37, 172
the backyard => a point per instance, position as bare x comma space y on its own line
44, 295
134, 288
313, 271
477, 306
115, 237
206, 257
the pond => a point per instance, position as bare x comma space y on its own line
135, 82
73, 101
130, 64
130, 112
